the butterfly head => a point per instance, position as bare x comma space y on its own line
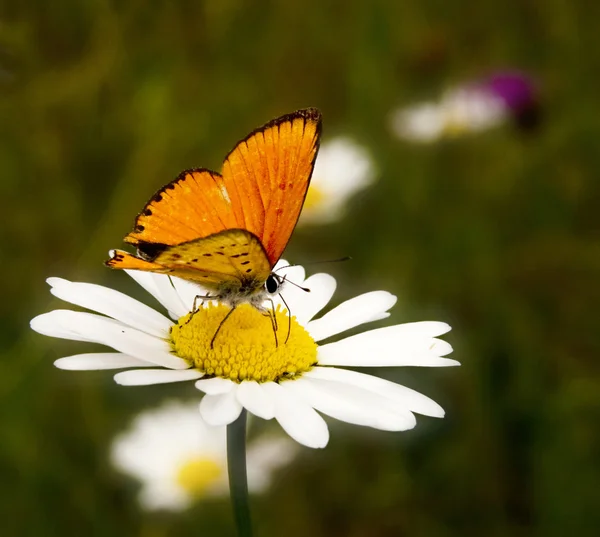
273, 284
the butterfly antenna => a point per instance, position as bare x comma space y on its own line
212, 341
289, 315
347, 258
305, 289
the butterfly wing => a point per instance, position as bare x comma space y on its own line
262, 190
195, 204
267, 177
232, 259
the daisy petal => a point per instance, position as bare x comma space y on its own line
169, 296
188, 291
400, 395
215, 386
294, 273
297, 418
112, 303
252, 397
423, 328
83, 326
143, 279
99, 360
354, 312
220, 409
160, 286
307, 305
51, 324
144, 377
386, 347
351, 404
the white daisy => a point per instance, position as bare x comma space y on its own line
459, 111
342, 168
178, 458
289, 382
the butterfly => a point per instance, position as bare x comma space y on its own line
227, 231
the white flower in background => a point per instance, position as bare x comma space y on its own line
459, 111
289, 381
179, 459
470, 108
342, 168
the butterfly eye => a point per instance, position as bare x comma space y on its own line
272, 284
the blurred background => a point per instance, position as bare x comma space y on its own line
495, 232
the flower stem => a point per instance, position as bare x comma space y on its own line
238, 479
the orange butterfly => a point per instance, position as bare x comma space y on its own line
226, 231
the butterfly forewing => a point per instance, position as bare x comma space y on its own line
268, 174
196, 204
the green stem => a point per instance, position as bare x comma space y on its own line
238, 479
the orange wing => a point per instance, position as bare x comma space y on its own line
262, 190
194, 205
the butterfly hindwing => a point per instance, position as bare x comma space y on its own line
231, 255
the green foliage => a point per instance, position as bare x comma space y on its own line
104, 102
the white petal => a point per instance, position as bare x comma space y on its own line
161, 287
164, 495
252, 397
423, 328
266, 454
386, 347
307, 305
144, 377
402, 396
351, 404
112, 303
169, 297
215, 386
51, 324
294, 273
143, 279
83, 326
356, 311
420, 123
188, 291
99, 360
220, 409
298, 419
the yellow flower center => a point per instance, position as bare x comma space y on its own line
245, 347
455, 127
314, 197
196, 475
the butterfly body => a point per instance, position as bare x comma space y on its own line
226, 231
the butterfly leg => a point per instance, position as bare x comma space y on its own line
203, 298
212, 341
195, 307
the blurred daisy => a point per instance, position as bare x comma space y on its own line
470, 108
342, 168
178, 458
290, 381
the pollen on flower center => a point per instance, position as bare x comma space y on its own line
245, 347
197, 474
